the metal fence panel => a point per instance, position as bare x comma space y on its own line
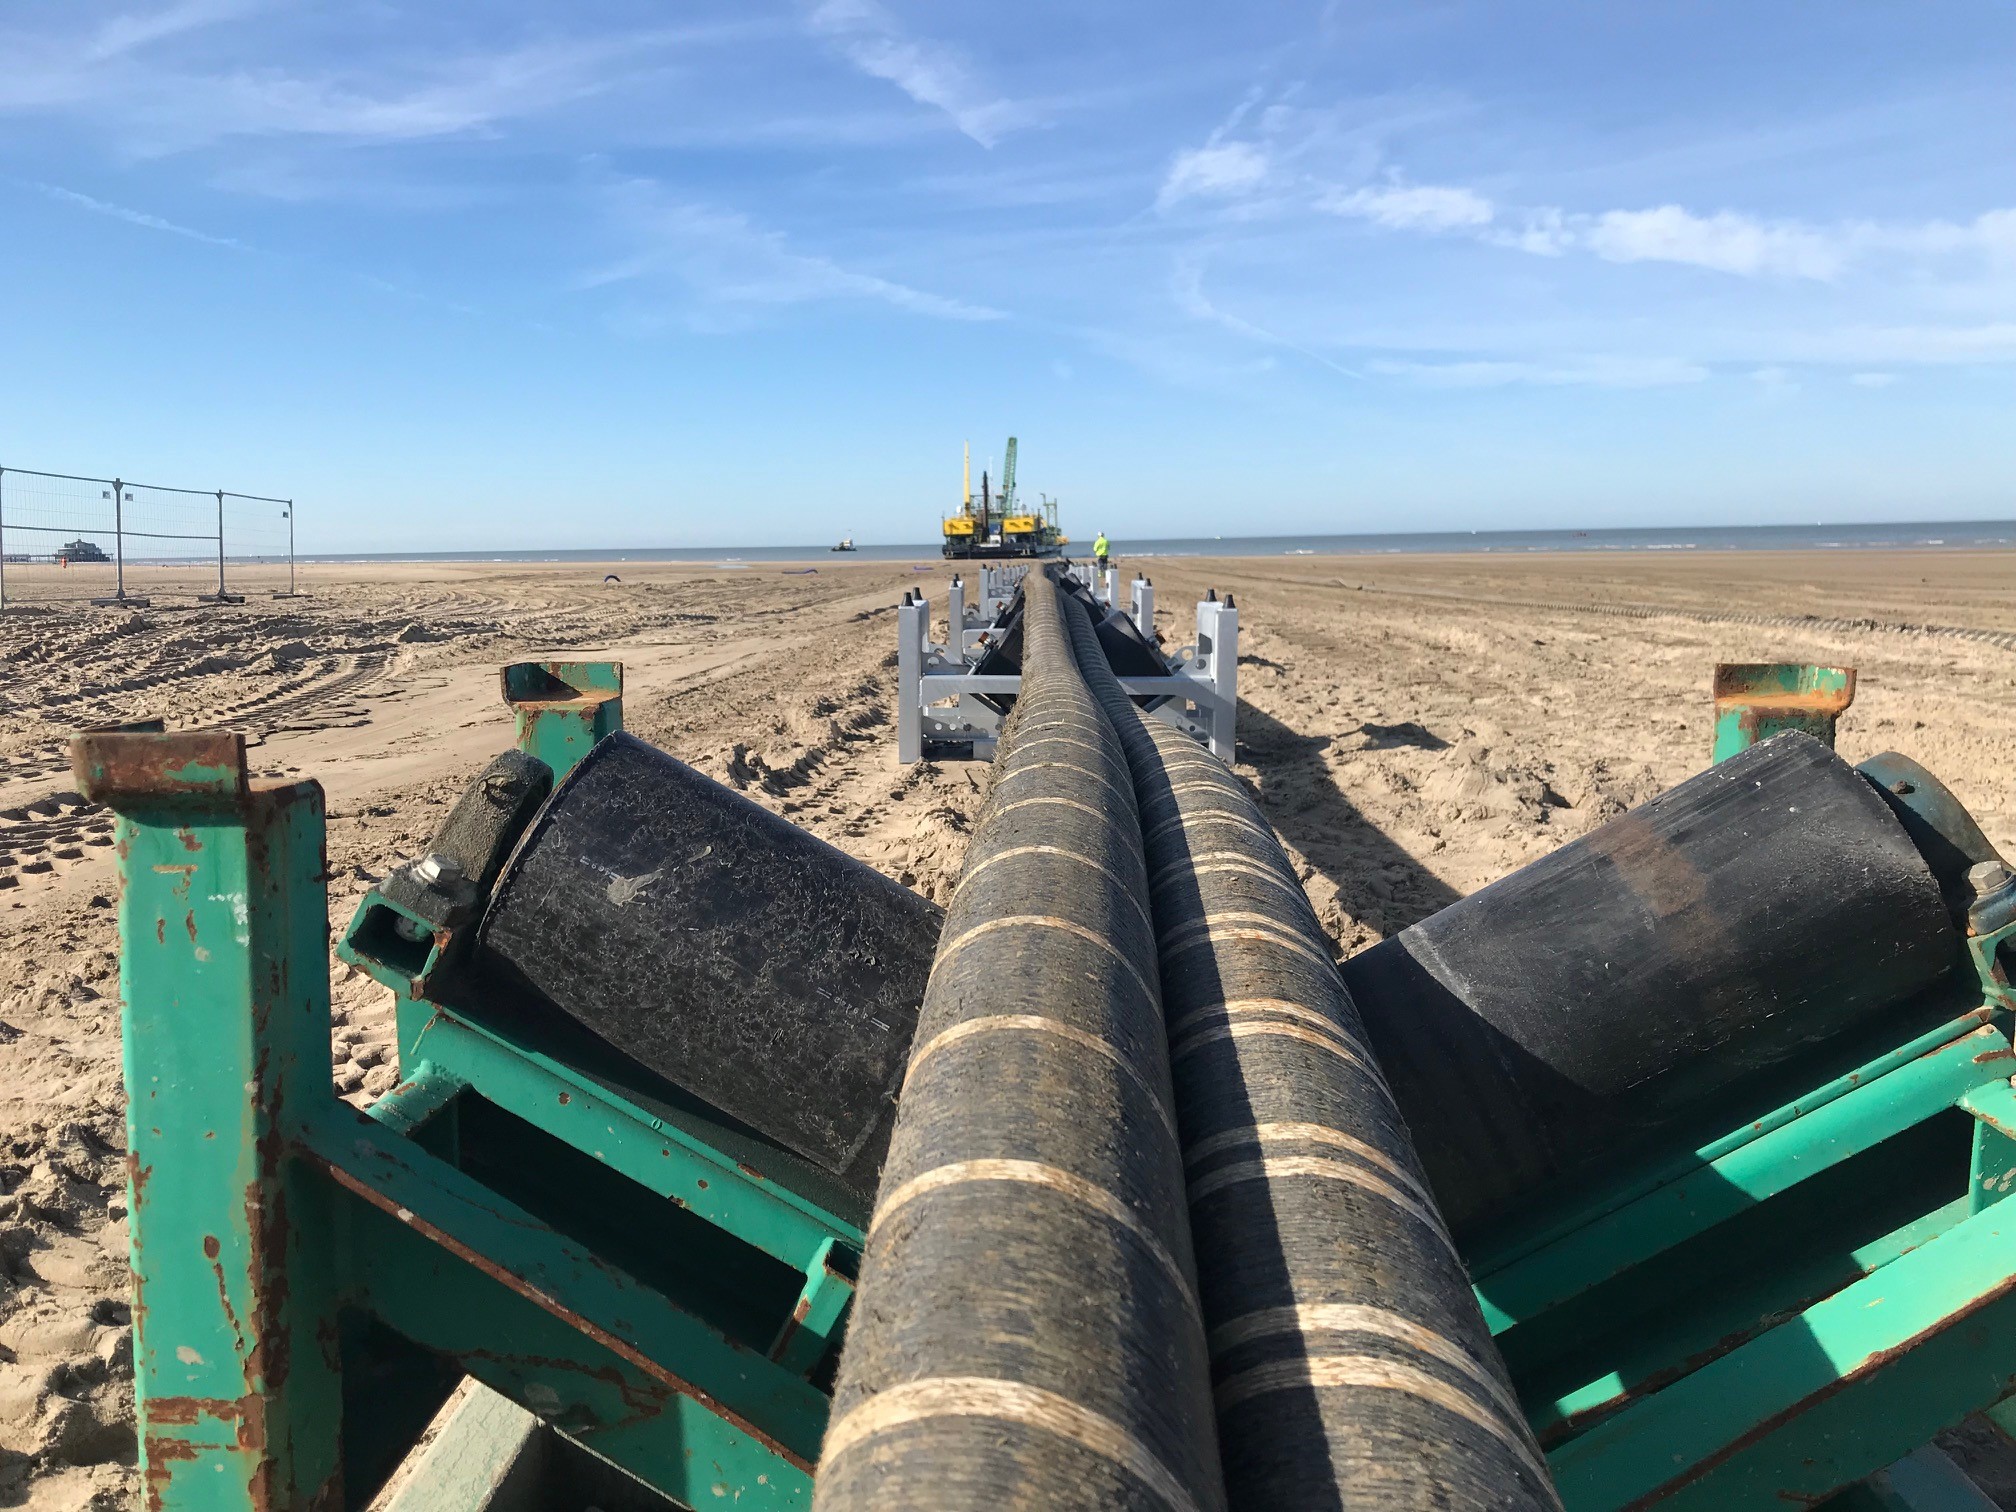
58, 537
170, 539
258, 544
76, 539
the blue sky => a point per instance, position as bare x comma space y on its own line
659, 274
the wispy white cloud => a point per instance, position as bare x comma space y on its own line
135, 217
461, 96
1413, 207
1266, 171
1215, 171
1992, 234
168, 227
1918, 345
931, 73
132, 80
1178, 363
734, 267
1188, 288
130, 31
1724, 241
1593, 372
1775, 383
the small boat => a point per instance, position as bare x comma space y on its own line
846, 544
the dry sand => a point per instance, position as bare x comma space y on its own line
1415, 726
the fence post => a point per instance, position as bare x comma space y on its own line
290, 548
119, 537
220, 545
3, 540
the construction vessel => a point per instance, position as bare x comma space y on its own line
1671, 1171
996, 525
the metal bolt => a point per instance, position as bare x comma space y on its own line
438, 871
1985, 876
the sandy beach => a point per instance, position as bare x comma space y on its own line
1416, 727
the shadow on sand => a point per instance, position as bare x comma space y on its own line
1377, 881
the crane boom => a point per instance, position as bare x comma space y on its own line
993, 523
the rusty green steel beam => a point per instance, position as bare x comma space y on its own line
1756, 700
563, 708
1823, 1400
224, 931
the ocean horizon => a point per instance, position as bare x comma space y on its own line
1935, 534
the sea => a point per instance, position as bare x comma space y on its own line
1950, 534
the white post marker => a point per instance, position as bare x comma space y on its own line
1218, 650
913, 619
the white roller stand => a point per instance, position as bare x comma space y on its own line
1142, 606
939, 716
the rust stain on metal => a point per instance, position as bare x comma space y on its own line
210, 1248
114, 764
623, 1350
161, 1455
137, 1177
270, 1228
1985, 1032
1734, 689
185, 1411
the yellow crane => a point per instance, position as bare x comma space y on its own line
997, 526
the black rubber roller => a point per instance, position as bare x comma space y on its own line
720, 946
1597, 999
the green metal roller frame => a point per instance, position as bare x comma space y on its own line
302, 1271
1800, 1303
1791, 1308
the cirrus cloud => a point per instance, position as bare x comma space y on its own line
1724, 241
1413, 207
1215, 171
